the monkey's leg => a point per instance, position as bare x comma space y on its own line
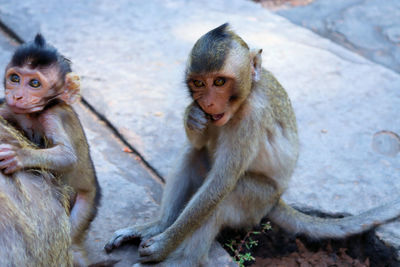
178, 190
193, 249
79, 255
253, 197
184, 182
82, 213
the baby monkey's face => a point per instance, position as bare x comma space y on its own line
28, 90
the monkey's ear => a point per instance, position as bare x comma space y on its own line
256, 60
72, 88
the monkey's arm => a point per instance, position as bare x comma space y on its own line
196, 122
59, 157
238, 148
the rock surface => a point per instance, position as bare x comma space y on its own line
131, 56
370, 28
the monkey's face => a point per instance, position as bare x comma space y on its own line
29, 90
221, 93
215, 94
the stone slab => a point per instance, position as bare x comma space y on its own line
124, 201
6, 47
370, 28
132, 58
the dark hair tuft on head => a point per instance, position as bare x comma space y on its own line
39, 54
220, 30
39, 40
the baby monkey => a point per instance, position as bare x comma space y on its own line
39, 90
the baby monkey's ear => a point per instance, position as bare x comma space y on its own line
72, 88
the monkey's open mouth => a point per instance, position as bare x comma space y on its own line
217, 117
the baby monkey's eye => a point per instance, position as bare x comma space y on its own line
198, 83
219, 82
34, 83
14, 78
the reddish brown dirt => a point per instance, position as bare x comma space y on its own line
305, 258
276, 248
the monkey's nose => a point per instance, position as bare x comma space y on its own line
17, 97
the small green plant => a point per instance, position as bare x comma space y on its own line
238, 245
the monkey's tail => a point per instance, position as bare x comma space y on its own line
297, 222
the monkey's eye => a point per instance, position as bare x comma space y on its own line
219, 82
34, 83
198, 83
14, 78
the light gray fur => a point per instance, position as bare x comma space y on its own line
234, 174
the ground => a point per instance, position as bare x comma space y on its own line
131, 57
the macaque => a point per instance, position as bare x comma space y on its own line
34, 223
39, 91
243, 150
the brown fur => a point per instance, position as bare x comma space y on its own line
34, 225
39, 90
73, 166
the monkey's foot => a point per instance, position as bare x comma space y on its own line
120, 236
155, 249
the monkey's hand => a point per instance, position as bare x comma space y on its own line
155, 249
195, 118
120, 236
10, 161
196, 123
135, 232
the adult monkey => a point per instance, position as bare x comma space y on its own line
39, 90
34, 224
244, 149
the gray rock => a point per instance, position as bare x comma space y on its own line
132, 57
6, 48
370, 28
